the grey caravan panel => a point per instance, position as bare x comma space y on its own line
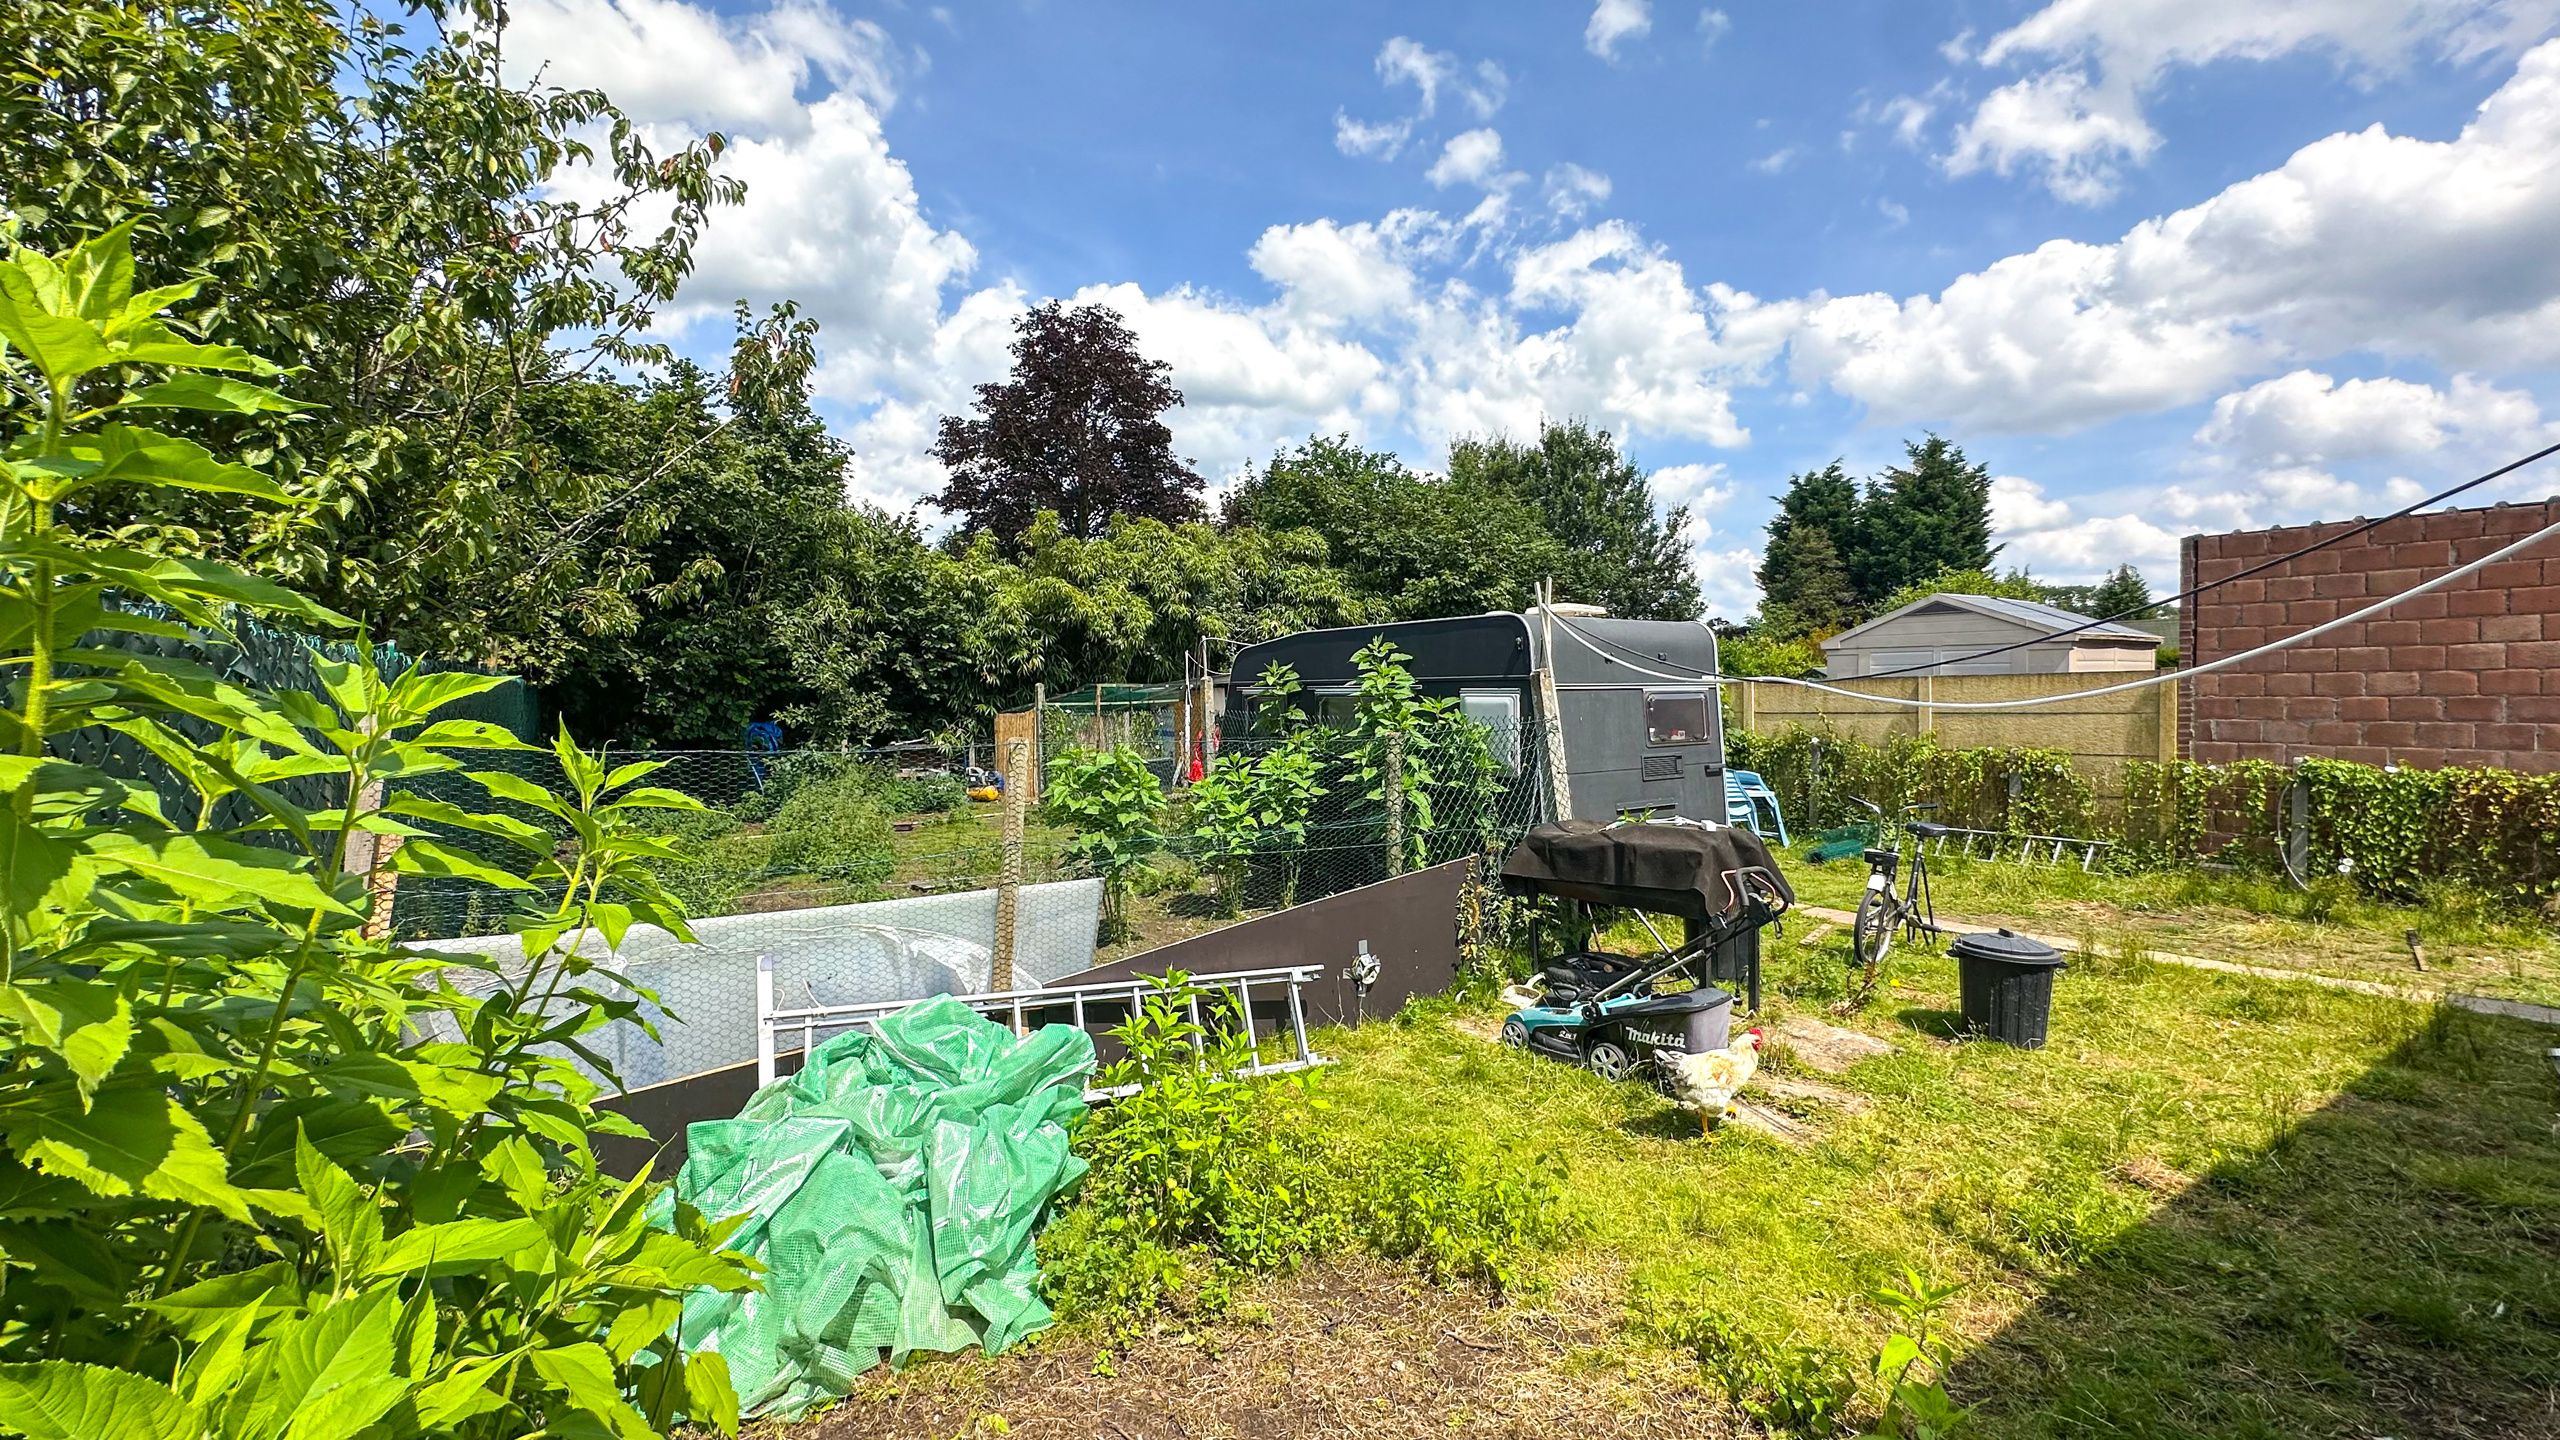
1603, 750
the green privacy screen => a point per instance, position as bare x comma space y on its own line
895, 1184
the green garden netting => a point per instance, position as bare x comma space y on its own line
896, 1183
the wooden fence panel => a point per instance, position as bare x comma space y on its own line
2100, 732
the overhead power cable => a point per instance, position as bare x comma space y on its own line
1594, 644
2260, 568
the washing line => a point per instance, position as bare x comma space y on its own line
2073, 696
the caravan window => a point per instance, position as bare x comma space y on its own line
1676, 718
1335, 708
1498, 711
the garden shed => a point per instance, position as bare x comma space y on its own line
1944, 632
1639, 731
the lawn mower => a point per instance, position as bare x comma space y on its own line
1614, 1013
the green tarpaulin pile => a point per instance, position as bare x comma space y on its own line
895, 1183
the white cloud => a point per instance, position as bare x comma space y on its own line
1906, 115
1728, 580
832, 219
673, 62
2018, 503
1776, 161
2308, 418
1402, 61
1382, 140
1573, 190
2437, 250
1331, 272
1713, 25
1472, 157
2087, 550
1613, 21
2078, 119
1895, 213
1250, 378
2058, 122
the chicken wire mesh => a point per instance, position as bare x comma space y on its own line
792, 831
875, 875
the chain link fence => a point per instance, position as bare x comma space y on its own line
796, 830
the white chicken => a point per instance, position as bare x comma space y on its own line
1704, 1084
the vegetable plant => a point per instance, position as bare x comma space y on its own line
1116, 805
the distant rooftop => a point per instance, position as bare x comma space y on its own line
2050, 619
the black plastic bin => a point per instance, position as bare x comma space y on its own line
2007, 982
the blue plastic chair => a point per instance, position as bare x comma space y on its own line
1744, 793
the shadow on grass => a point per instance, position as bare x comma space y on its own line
2389, 1265
1934, 1023
1665, 1123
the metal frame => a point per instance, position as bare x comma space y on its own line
1997, 844
1012, 1006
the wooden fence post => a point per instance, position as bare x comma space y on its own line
1017, 785
1746, 706
1925, 690
1205, 710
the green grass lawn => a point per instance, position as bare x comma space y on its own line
2214, 1205
2470, 947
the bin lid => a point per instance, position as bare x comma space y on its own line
2006, 946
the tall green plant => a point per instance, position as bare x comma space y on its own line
1116, 805
266, 1174
1250, 803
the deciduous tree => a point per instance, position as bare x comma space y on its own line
1078, 431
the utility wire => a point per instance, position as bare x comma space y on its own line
2262, 566
1593, 643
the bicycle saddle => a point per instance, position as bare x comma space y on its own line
1930, 829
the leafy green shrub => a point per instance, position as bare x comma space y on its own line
1116, 806
281, 1176
936, 794
2397, 833
1200, 1177
1250, 803
833, 829
1457, 1219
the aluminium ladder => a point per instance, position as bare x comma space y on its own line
1016, 1007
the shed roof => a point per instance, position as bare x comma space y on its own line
2047, 619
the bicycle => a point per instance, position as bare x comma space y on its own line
1882, 916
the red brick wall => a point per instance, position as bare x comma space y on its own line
2465, 675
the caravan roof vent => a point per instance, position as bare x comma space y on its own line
1569, 610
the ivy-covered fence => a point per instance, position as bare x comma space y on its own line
2392, 832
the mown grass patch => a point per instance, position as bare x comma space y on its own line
2198, 1211
2469, 944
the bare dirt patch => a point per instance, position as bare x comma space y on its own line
1351, 1348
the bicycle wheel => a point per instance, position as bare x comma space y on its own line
1871, 934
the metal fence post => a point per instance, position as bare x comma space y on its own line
1394, 791
765, 1058
1017, 786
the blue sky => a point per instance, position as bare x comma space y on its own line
2166, 266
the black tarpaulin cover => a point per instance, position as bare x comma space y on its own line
1664, 868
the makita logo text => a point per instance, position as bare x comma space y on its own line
1656, 1037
